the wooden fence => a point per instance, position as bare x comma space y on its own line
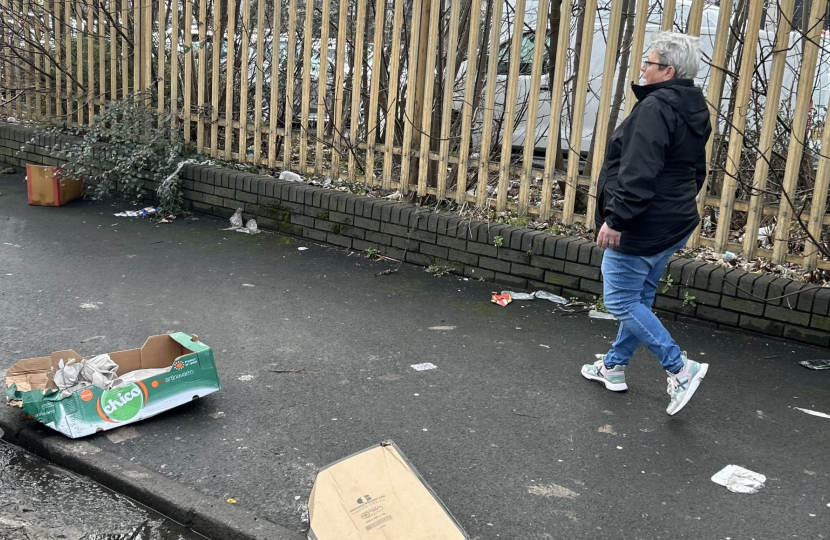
440, 97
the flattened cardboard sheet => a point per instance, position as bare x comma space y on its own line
377, 494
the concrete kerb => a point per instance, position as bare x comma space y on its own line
205, 515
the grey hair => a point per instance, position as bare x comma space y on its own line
679, 51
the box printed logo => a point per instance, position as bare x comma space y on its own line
122, 403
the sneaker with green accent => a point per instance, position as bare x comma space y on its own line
682, 386
613, 379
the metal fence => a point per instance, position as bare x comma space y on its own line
451, 99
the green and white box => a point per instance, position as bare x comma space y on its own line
188, 372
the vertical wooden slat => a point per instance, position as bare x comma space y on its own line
736, 136
26, 72
579, 114
57, 28
601, 135
125, 56
716, 78
201, 75
637, 50
796, 145
449, 92
374, 89
467, 106
187, 91
90, 61
510, 105
4, 75
68, 59
392, 100
113, 8
137, 43
79, 45
243, 78
275, 71
759, 181
668, 15
322, 85
557, 89
38, 60
533, 110
306, 90
229, 79
162, 34
289, 83
102, 56
357, 70
695, 18
339, 83
818, 204
489, 102
216, 46
147, 46
429, 90
260, 75
174, 63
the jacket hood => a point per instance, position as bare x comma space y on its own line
684, 98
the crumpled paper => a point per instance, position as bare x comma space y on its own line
98, 371
739, 480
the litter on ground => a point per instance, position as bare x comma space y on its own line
739, 480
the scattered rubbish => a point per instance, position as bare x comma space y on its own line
290, 176
594, 314
46, 187
247, 285
302, 370
249, 228
396, 196
501, 299
231, 500
302, 248
423, 367
246, 378
219, 414
545, 295
766, 235
188, 371
739, 480
144, 212
89, 305
545, 346
816, 364
518, 296
7, 170
93, 338
729, 256
442, 327
236, 220
377, 493
607, 428
814, 413
12, 245
303, 510
99, 371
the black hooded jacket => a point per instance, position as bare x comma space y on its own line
655, 165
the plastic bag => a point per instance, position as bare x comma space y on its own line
249, 228
545, 295
236, 219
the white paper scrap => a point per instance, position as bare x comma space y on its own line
423, 367
594, 314
814, 413
739, 480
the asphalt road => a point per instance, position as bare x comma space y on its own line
314, 352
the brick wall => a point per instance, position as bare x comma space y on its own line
526, 259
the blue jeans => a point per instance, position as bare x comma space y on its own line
629, 286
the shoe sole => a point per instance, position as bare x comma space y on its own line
615, 387
704, 368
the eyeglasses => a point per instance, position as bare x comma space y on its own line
647, 63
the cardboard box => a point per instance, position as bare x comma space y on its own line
377, 494
46, 189
191, 374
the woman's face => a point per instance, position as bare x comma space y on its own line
653, 71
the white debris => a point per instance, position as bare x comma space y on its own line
739, 480
814, 413
423, 367
594, 314
290, 176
